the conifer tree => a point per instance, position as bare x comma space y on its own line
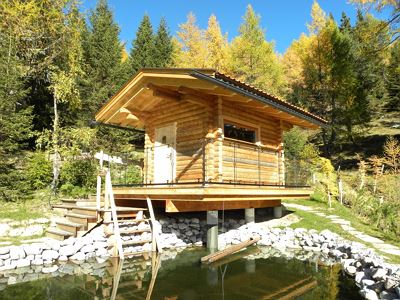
162, 46
393, 78
318, 19
103, 60
217, 45
192, 43
252, 59
15, 117
345, 23
142, 52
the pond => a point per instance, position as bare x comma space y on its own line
181, 276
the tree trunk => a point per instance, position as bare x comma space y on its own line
56, 155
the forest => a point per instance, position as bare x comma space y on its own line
59, 65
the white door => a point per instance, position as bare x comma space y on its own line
164, 154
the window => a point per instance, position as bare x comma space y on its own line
239, 132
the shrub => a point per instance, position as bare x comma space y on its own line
75, 191
38, 170
78, 176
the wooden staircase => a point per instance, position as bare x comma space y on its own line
122, 222
120, 279
81, 215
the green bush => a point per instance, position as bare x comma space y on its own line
38, 170
78, 177
75, 191
381, 208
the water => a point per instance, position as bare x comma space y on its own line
184, 278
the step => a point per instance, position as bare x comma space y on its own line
126, 243
124, 208
58, 234
132, 220
81, 218
67, 225
127, 231
85, 210
68, 200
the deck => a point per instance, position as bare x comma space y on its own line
213, 196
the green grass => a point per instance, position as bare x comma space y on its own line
310, 220
37, 207
385, 124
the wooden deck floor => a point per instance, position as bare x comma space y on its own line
210, 197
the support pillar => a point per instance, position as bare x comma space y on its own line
278, 211
250, 266
212, 230
249, 215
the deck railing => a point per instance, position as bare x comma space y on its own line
241, 163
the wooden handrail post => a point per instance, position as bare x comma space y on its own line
98, 186
204, 161
155, 230
117, 233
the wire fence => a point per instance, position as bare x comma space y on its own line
240, 164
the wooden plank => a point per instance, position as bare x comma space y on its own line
114, 215
190, 206
155, 227
213, 257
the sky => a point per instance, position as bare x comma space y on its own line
283, 20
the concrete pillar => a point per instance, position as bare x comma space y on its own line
212, 230
249, 215
212, 276
278, 212
250, 266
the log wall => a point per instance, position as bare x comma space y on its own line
224, 159
191, 123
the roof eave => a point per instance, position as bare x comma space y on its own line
265, 100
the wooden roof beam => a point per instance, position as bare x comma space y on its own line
163, 92
139, 92
201, 95
134, 113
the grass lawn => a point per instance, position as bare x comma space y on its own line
37, 207
312, 221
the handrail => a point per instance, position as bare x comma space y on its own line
231, 140
110, 193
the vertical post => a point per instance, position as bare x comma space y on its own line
259, 164
220, 139
278, 212
234, 163
204, 161
98, 186
126, 167
278, 159
114, 215
250, 266
155, 228
212, 230
172, 163
146, 160
340, 186
249, 215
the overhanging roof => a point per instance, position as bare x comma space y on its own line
171, 81
259, 95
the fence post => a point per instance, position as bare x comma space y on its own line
340, 186
259, 165
234, 163
98, 186
204, 161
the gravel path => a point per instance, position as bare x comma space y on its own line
346, 225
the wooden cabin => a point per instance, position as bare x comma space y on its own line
211, 142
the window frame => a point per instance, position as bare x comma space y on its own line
244, 124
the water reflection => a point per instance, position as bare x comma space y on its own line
244, 275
